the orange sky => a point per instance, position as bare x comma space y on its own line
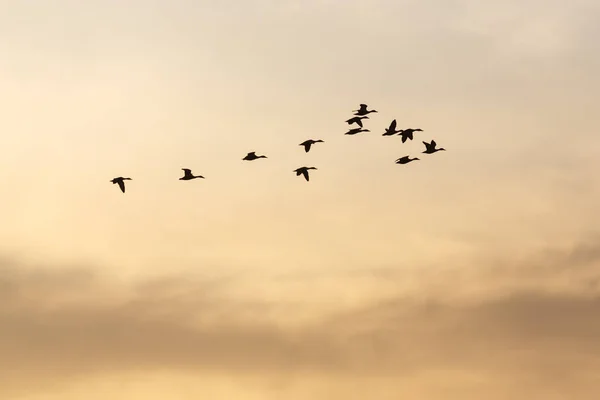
471, 273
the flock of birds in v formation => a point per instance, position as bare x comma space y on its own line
359, 115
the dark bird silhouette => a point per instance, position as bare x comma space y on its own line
355, 131
303, 171
252, 156
356, 120
120, 181
430, 147
408, 133
392, 129
308, 143
363, 110
187, 175
405, 160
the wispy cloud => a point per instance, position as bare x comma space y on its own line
75, 325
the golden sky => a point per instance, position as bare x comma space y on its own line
471, 273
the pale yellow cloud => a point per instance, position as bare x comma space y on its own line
76, 327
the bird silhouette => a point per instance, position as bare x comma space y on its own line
187, 175
391, 130
303, 171
356, 120
120, 181
308, 143
408, 133
363, 110
430, 147
355, 131
405, 160
252, 156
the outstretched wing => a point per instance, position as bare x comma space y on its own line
393, 126
433, 144
404, 137
307, 146
121, 185
359, 122
305, 173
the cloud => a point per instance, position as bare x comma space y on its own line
73, 325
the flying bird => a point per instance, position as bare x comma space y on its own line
430, 147
391, 130
308, 143
405, 160
363, 110
356, 120
120, 181
187, 175
355, 131
252, 156
303, 171
408, 133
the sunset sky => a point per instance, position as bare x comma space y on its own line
472, 273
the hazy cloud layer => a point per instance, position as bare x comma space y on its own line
71, 326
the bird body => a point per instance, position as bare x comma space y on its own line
121, 182
430, 147
303, 171
363, 110
391, 130
187, 175
408, 133
356, 120
308, 143
405, 160
355, 131
252, 156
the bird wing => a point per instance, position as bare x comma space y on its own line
404, 137
359, 122
121, 185
393, 125
305, 173
307, 146
433, 144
